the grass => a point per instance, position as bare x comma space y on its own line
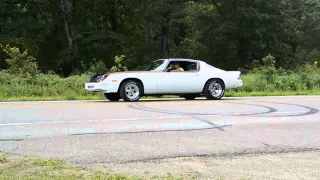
3, 158
278, 93
16, 167
266, 166
51, 87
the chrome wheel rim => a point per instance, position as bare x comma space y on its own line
132, 91
215, 89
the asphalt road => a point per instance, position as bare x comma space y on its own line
102, 131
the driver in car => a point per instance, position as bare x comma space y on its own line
175, 68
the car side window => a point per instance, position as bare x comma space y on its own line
171, 67
192, 66
185, 66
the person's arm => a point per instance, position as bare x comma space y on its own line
170, 68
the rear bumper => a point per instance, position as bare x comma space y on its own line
238, 83
96, 87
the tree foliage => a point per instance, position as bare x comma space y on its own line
70, 36
20, 63
119, 64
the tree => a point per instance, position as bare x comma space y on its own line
67, 35
118, 64
20, 63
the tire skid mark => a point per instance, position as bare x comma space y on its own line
270, 109
211, 123
310, 112
143, 108
194, 115
150, 109
149, 131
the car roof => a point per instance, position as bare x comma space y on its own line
181, 59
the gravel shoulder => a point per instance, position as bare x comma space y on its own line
279, 166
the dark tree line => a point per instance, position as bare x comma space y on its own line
67, 36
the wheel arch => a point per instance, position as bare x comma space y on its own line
223, 83
128, 79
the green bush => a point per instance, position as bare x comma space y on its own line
20, 63
118, 64
42, 85
268, 78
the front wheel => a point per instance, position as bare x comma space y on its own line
112, 96
214, 89
131, 91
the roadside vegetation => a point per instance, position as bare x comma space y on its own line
17, 167
22, 81
262, 166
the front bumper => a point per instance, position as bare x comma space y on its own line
96, 87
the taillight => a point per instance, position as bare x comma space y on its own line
239, 77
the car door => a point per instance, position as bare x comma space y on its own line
179, 82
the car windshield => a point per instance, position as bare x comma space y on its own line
156, 65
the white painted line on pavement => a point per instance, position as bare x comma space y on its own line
96, 120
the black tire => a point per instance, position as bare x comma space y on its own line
188, 96
218, 85
137, 90
112, 96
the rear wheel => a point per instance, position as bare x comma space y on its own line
112, 96
131, 91
214, 89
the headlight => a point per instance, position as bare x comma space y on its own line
98, 78
101, 78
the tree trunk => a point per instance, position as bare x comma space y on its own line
147, 29
1, 52
1, 59
67, 7
55, 4
147, 21
113, 16
165, 37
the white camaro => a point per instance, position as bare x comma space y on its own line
188, 79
